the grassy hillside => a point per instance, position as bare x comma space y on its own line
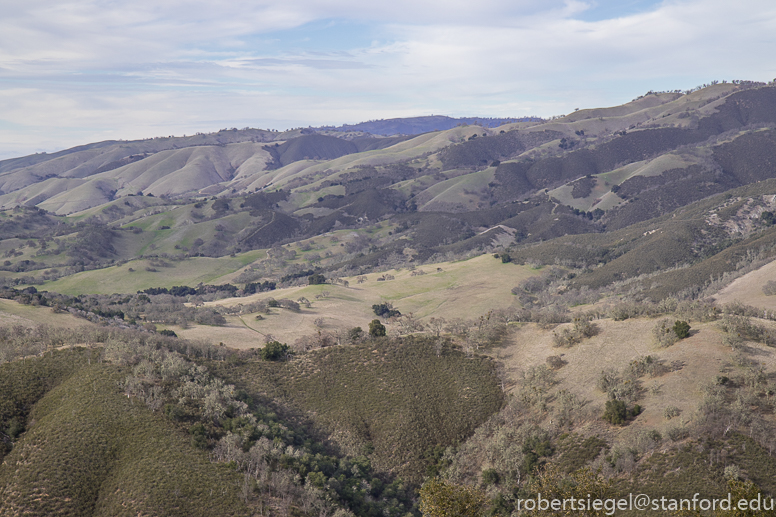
88, 449
750, 289
119, 429
14, 313
118, 279
463, 289
684, 250
688, 431
394, 401
442, 191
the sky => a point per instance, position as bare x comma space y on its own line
79, 71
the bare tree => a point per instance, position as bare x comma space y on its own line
436, 325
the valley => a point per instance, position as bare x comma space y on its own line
324, 320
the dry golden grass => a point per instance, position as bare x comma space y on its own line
748, 289
702, 355
13, 313
464, 289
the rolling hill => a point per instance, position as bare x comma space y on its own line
320, 321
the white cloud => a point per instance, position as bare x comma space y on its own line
76, 70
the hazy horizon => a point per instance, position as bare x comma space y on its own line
84, 71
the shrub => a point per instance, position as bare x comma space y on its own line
198, 435
209, 316
355, 334
556, 362
732, 473
550, 317
644, 365
616, 412
376, 329
618, 388
535, 448
259, 287
769, 289
168, 333
677, 433
442, 499
274, 351
385, 310
564, 339
289, 304
671, 412
682, 329
582, 329
220, 205
15, 428
316, 279
664, 334
490, 477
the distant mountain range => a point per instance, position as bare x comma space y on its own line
418, 125
593, 172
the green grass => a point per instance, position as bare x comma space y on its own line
12, 312
395, 400
463, 289
698, 467
118, 279
453, 192
89, 450
181, 232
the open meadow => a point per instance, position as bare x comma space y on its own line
462, 289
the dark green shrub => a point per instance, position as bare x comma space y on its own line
505, 258
15, 428
534, 449
174, 411
198, 436
682, 329
385, 310
616, 412
355, 333
490, 477
316, 479
274, 351
168, 333
220, 205
316, 279
376, 329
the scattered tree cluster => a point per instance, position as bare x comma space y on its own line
385, 310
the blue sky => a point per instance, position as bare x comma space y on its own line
78, 71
